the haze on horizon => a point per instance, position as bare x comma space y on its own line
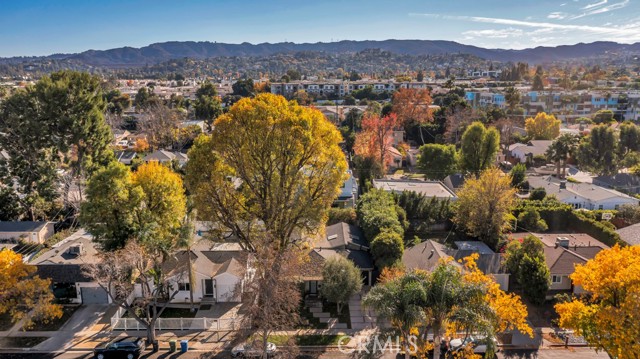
41, 27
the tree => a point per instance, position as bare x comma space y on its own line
340, 280
629, 138
24, 295
303, 98
526, 262
208, 106
412, 108
399, 300
484, 205
141, 145
162, 206
376, 212
160, 123
438, 161
597, 152
538, 194
560, 150
518, 175
513, 97
538, 84
607, 318
387, 248
375, 139
145, 98
479, 148
542, 127
420, 76
530, 220
110, 210
243, 88
117, 102
269, 161
603, 117
117, 272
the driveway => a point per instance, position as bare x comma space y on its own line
82, 321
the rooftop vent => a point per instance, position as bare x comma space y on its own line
333, 236
76, 250
562, 242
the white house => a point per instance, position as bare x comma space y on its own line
582, 195
164, 156
32, 232
522, 151
428, 188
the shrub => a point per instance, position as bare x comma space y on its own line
337, 215
530, 220
387, 248
538, 194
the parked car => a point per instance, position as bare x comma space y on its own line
478, 343
253, 350
129, 348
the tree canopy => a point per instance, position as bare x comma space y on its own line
479, 148
542, 127
438, 161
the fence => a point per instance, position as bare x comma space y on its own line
221, 324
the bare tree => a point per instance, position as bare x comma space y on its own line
160, 123
457, 119
119, 272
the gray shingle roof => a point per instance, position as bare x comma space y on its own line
23, 226
630, 234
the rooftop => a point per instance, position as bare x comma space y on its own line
21, 226
585, 190
575, 239
427, 188
630, 234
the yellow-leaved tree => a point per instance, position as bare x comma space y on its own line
24, 295
608, 317
542, 127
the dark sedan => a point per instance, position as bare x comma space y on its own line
129, 348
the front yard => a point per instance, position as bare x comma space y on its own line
21, 342
309, 340
55, 324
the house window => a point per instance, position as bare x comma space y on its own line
184, 286
556, 279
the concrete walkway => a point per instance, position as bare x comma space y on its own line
361, 318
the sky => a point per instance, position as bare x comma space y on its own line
43, 27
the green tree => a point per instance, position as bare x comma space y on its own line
484, 206
437, 161
518, 175
243, 88
110, 210
377, 212
530, 220
387, 248
513, 97
629, 138
598, 151
526, 262
538, 194
560, 150
603, 117
340, 280
208, 106
479, 148
145, 98
420, 76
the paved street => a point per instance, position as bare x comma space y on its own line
559, 353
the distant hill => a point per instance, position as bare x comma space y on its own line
160, 52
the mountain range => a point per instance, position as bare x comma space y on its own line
161, 52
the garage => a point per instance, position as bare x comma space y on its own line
94, 295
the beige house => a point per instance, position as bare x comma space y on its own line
32, 232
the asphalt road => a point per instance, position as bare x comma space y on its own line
577, 353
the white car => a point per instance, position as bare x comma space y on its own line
252, 350
479, 344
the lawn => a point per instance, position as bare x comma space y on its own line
55, 324
21, 342
178, 313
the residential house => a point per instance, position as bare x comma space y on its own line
630, 234
395, 158
198, 123
32, 232
524, 151
164, 156
64, 264
581, 195
348, 192
125, 157
428, 254
340, 239
428, 188
454, 182
221, 272
623, 182
562, 252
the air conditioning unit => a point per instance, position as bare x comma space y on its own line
562, 242
76, 250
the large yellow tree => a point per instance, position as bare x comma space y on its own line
270, 167
484, 205
608, 317
542, 127
22, 294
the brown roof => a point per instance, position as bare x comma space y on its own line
561, 260
209, 263
425, 255
575, 239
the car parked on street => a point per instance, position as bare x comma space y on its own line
253, 350
479, 344
129, 348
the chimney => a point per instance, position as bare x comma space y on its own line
563, 184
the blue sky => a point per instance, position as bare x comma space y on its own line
41, 27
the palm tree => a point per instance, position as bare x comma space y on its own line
560, 150
186, 241
400, 300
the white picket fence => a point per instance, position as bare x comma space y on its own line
221, 324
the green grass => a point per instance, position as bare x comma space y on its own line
21, 342
178, 313
55, 324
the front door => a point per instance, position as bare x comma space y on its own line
208, 287
313, 287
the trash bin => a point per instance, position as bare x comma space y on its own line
184, 346
172, 345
